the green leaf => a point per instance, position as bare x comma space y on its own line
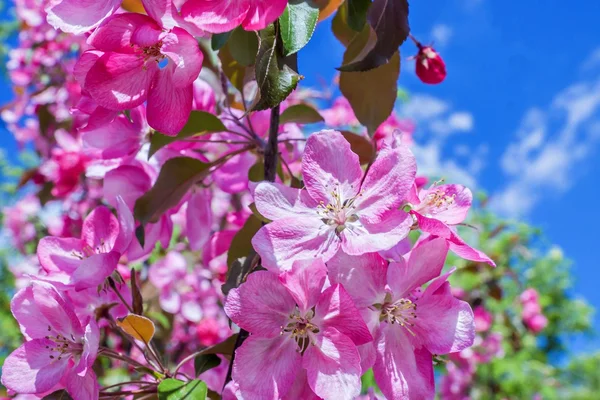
340, 28
232, 69
204, 362
58, 395
199, 123
241, 245
176, 177
357, 13
389, 21
297, 23
371, 94
275, 78
174, 389
243, 46
300, 114
218, 40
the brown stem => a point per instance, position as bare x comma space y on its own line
270, 159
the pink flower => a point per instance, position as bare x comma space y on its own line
430, 67
340, 114
79, 16
532, 315
295, 325
86, 262
483, 319
59, 348
135, 59
439, 207
341, 207
217, 16
409, 325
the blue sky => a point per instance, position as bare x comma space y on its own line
518, 115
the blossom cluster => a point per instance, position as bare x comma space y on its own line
343, 251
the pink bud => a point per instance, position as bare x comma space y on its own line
430, 67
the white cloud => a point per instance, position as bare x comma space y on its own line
592, 61
441, 35
550, 148
422, 107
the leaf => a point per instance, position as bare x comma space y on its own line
243, 46
138, 301
276, 80
218, 40
361, 146
176, 177
204, 362
371, 94
140, 235
357, 13
300, 114
232, 69
58, 395
327, 7
257, 214
199, 123
241, 245
225, 348
389, 21
297, 24
339, 26
174, 389
138, 327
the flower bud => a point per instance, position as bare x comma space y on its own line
430, 67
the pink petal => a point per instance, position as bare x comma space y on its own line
398, 251
120, 81
401, 372
100, 230
84, 64
444, 324
280, 242
363, 276
372, 237
169, 270
368, 355
79, 16
117, 139
168, 107
29, 369
126, 226
128, 181
261, 305
305, 281
232, 177
215, 16
275, 201
337, 310
94, 270
300, 389
59, 314
425, 263
199, 218
117, 33
60, 254
262, 12
162, 11
31, 321
182, 48
387, 183
90, 347
258, 358
450, 213
333, 366
330, 165
159, 232
82, 387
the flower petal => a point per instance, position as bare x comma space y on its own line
82, 387
372, 237
199, 218
261, 305
305, 281
215, 16
401, 372
329, 165
363, 276
162, 11
29, 369
281, 242
451, 213
60, 254
94, 270
182, 48
276, 201
128, 181
116, 33
169, 107
100, 230
262, 12
265, 368
79, 16
31, 321
337, 310
126, 226
59, 314
387, 184
333, 366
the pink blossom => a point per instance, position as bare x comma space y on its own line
409, 325
217, 16
532, 315
340, 114
79, 16
341, 207
438, 208
59, 348
483, 319
17, 219
124, 69
86, 262
295, 325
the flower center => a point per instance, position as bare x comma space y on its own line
88, 251
435, 202
300, 329
401, 312
63, 346
339, 213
